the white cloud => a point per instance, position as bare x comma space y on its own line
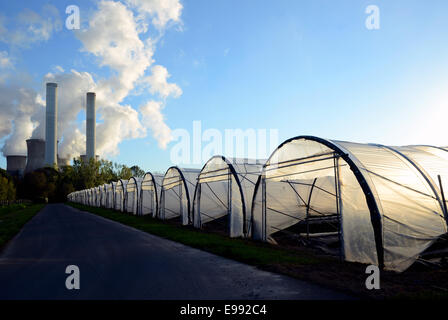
161, 11
30, 27
112, 36
5, 60
154, 118
17, 108
158, 83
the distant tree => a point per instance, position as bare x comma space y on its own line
124, 172
35, 186
106, 172
137, 172
7, 189
55, 185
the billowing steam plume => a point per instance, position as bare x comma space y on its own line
117, 36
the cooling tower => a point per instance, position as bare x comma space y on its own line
15, 165
91, 120
51, 129
36, 154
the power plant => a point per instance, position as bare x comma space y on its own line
44, 153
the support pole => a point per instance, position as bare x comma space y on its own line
308, 210
198, 207
443, 197
263, 208
338, 205
229, 200
181, 208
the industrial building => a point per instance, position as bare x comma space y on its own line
44, 153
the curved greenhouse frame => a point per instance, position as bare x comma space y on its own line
133, 195
384, 202
223, 194
150, 194
119, 195
177, 193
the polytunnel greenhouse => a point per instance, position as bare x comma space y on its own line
90, 197
369, 203
177, 193
132, 195
97, 191
93, 196
103, 195
223, 194
119, 195
110, 193
83, 197
150, 194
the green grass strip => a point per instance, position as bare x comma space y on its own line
13, 218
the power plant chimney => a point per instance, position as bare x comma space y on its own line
91, 121
36, 154
51, 129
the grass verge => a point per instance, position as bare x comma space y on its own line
13, 218
301, 263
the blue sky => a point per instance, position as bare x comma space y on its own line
302, 67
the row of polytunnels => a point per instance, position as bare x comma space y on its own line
365, 203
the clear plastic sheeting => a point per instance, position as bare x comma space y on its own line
91, 197
97, 191
119, 195
385, 200
224, 192
110, 191
132, 195
412, 216
103, 191
177, 193
150, 194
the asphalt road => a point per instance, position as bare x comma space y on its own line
119, 262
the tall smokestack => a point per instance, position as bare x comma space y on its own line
51, 129
91, 121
